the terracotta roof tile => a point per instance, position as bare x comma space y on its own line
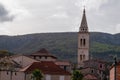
90, 77
47, 67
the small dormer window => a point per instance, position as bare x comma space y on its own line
15, 73
92, 71
45, 57
7, 73
40, 57
34, 57
65, 67
101, 66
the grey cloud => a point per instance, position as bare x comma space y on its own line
65, 15
5, 15
103, 16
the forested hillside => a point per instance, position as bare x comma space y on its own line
62, 45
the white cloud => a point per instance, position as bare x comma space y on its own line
118, 28
35, 16
4, 31
60, 15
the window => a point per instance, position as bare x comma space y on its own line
34, 57
84, 42
80, 42
101, 66
80, 57
92, 71
61, 77
45, 57
7, 73
65, 67
84, 57
15, 73
40, 57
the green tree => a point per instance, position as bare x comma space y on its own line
37, 74
76, 75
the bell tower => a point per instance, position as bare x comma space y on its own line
83, 41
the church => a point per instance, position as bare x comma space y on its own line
83, 41
92, 69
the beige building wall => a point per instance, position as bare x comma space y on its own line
68, 77
57, 77
8, 75
51, 77
4, 75
28, 76
18, 76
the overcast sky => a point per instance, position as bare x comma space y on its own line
19, 17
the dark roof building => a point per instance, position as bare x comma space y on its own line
43, 55
98, 68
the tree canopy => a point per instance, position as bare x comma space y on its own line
37, 74
77, 75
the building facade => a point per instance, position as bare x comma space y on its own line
113, 72
96, 68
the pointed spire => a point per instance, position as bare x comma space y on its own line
84, 26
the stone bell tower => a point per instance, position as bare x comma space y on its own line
83, 41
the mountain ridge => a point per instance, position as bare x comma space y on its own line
63, 45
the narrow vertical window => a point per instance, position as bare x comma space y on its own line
84, 42
15, 73
34, 57
80, 42
80, 57
84, 57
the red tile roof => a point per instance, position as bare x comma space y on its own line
47, 67
43, 52
90, 77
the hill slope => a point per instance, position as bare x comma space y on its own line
63, 45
